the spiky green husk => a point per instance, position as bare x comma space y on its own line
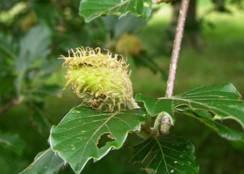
100, 79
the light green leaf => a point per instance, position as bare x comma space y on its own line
166, 155
46, 162
91, 9
86, 134
12, 142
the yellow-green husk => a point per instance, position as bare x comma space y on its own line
100, 78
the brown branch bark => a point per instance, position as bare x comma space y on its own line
176, 47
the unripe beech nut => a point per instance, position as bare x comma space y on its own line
100, 78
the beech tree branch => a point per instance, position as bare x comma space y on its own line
176, 47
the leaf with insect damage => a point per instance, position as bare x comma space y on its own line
86, 134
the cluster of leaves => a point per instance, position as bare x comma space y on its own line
25, 82
28, 39
26, 69
31, 33
85, 134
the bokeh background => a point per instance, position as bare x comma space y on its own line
34, 33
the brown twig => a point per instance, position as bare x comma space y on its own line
176, 47
9, 105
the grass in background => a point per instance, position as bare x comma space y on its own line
219, 60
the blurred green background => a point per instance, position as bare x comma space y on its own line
33, 35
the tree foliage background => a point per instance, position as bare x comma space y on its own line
34, 33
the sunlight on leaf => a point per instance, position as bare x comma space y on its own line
12, 142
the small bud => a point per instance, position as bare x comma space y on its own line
100, 79
162, 124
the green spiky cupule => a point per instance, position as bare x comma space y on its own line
101, 79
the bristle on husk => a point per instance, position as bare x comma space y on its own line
100, 78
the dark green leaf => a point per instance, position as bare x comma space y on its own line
12, 142
39, 119
33, 51
10, 162
223, 130
7, 76
91, 9
33, 48
212, 105
121, 25
166, 156
155, 106
86, 134
45, 162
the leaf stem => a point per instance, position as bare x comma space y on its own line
176, 47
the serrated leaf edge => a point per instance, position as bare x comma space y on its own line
138, 127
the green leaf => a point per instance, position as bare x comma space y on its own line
11, 162
221, 129
39, 119
155, 106
86, 134
213, 104
91, 9
121, 25
210, 105
33, 48
166, 155
7, 76
45, 162
12, 142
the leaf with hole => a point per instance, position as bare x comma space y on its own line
86, 134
